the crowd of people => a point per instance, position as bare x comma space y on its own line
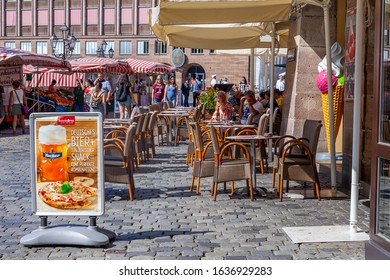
95, 96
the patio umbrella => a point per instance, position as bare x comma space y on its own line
16, 57
99, 64
222, 11
144, 66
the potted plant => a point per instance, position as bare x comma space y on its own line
208, 97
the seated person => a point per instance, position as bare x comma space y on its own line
249, 105
223, 110
278, 97
235, 99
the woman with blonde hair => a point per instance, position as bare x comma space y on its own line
17, 100
224, 109
124, 96
158, 90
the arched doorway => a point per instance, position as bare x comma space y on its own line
196, 70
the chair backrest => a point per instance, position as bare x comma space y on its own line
275, 114
159, 106
214, 140
145, 124
170, 104
140, 123
130, 140
152, 121
263, 124
165, 105
250, 118
197, 135
311, 131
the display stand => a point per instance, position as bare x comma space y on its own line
78, 235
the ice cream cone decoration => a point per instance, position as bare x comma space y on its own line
338, 106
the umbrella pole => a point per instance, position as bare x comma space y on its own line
356, 119
330, 98
271, 98
252, 69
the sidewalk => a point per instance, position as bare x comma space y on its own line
167, 221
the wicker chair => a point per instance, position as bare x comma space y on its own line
227, 168
119, 160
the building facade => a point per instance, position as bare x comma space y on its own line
123, 24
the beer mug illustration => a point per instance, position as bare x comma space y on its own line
53, 152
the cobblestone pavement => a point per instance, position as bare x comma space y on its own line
167, 221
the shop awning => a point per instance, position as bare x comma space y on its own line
16, 57
98, 64
144, 66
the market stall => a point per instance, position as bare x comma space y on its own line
12, 62
143, 69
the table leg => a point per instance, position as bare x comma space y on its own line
253, 166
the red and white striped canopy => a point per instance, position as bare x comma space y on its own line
98, 64
144, 66
16, 57
63, 80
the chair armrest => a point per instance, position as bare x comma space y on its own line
290, 145
230, 145
247, 131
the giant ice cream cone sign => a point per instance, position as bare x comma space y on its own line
338, 108
337, 90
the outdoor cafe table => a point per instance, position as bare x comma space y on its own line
173, 116
234, 126
252, 139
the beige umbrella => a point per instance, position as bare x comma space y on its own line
226, 11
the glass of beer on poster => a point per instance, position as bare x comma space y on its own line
52, 154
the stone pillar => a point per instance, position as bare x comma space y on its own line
302, 99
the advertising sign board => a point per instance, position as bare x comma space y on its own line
67, 164
10, 74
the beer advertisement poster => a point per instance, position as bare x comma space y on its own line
67, 160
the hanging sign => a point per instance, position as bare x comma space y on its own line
67, 164
10, 74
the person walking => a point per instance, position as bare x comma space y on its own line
185, 90
98, 102
87, 92
106, 87
17, 100
158, 90
79, 96
171, 90
196, 87
125, 93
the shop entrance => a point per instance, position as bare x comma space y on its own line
197, 70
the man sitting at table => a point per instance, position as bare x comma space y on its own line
249, 105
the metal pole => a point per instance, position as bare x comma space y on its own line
330, 97
356, 118
271, 97
252, 69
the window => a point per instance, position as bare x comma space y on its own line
90, 48
196, 51
125, 47
126, 16
59, 48
160, 47
109, 16
25, 46
10, 44
212, 51
143, 47
42, 48
26, 18
183, 49
43, 17
143, 16
76, 49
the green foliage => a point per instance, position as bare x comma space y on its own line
208, 97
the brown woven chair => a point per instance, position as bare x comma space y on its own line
119, 160
301, 169
203, 161
310, 135
228, 168
150, 134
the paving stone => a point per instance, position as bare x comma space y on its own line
166, 221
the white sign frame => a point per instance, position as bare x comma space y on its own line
51, 211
